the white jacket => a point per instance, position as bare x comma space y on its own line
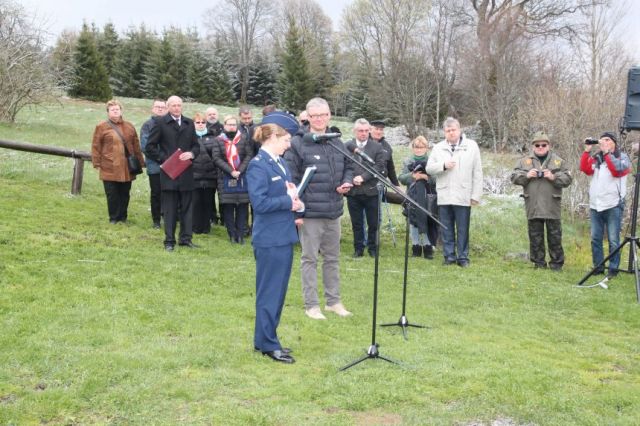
461, 184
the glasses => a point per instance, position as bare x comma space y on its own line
540, 145
200, 122
230, 124
316, 116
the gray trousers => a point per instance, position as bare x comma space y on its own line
320, 237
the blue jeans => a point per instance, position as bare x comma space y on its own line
612, 218
456, 219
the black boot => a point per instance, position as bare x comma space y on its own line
428, 252
416, 250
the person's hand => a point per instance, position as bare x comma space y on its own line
587, 147
449, 164
549, 175
419, 176
235, 174
344, 188
474, 202
533, 173
299, 222
186, 156
357, 181
296, 204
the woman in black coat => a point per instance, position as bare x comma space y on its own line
231, 154
205, 173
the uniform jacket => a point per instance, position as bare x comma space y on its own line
164, 139
219, 154
608, 183
377, 154
542, 197
321, 199
205, 171
273, 220
461, 184
153, 168
108, 154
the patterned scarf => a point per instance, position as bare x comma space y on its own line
231, 150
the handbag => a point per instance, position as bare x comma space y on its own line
231, 185
135, 168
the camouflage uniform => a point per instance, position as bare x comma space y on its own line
542, 199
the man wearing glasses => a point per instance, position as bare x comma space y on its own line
542, 175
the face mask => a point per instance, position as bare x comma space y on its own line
201, 132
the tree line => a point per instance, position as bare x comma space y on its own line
510, 66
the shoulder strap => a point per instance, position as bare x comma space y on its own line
115, 129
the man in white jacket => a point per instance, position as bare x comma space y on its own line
456, 163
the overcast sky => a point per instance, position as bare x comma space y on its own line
157, 14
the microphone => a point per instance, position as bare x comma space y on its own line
314, 138
360, 153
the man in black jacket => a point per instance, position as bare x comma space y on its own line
362, 199
320, 228
173, 131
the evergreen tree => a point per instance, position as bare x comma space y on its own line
158, 78
294, 82
129, 74
262, 82
360, 99
90, 79
108, 44
219, 78
199, 88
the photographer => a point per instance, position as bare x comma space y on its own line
608, 168
420, 187
542, 176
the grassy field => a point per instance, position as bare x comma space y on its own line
98, 325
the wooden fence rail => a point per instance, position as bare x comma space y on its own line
79, 158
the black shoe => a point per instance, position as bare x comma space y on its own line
598, 271
540, 266
448, 262
113, 221
372, 253
612, 274
463, 263
416, 250
156, 225
556, 268
169, 247
280, 356
189, 244
240, 240
358, 253
427, 251
285, 351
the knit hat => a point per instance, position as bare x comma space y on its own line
540, 137
610, 135
287, 121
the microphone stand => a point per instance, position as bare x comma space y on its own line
372, 351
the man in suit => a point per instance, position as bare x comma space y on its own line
274, 199
362, 198
173, 131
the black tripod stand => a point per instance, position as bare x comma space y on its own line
372, 352
403, 321
632, 239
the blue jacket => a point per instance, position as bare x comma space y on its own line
273, 220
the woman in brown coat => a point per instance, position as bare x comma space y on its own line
109, 156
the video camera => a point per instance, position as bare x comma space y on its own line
591, 141
418, 167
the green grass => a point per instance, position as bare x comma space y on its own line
100, 326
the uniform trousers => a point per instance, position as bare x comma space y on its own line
273, 269
320, 237
154, 198
202, 210
117, 199
554, 241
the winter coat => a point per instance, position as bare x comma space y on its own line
461, 184
219, 155
205, 172
153, 168
108, 153
608, 183
320, 198
390, 167
542, 197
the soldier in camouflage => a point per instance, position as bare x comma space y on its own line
542, 175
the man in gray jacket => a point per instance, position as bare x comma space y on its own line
456, 163
542, 175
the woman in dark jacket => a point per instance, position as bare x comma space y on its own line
113, 140
205, 173
231, 154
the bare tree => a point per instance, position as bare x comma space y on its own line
24, 76
241, 25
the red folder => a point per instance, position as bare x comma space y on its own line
174, 166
